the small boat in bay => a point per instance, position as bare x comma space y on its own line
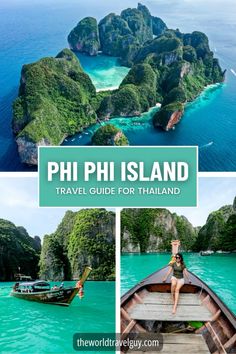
202, 323
206, 253
41, 291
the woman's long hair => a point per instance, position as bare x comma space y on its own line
181, 260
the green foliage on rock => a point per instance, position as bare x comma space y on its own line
54, 100
219, 231
123, 102
117, 35
151, 230
228, 236
123, 35
19, 253
139, 224
109, 135
82, 238
158, 26
163, 116
178, 66
57, 99
84, 37
137, 93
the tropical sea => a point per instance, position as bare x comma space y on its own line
28, 327
216, 270
33, 29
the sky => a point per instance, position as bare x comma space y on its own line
214, 192
19, 203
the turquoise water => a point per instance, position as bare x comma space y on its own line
30, 30
28, 327
105, 72
216, 270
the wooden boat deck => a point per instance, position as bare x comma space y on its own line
158, 306
181, 343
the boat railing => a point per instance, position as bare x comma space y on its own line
216, 337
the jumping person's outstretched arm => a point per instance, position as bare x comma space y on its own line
167, 274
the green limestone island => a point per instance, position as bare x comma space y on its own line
82, 238
57, 99
151, 230
19, 252
54, 101
109, 135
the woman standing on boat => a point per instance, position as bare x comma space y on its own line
177, 280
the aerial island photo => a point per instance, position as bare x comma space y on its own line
57, 271
177, 272
124, 73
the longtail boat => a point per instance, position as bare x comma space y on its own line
41, 291
202, 323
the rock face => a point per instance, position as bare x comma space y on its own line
151, 230
57, 99
137, 93
109, 135
219, 232
116, 35
54, 101
122, 35
179, 66
19, 253
168, 116
86, 237
158, 26
84, 37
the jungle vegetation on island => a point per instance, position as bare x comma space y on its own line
83, 238
152, 230
57, 99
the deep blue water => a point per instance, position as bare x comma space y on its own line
30, 30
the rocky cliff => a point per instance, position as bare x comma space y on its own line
172, 69
179, 65
109, 135
151, 230
57, 99
219, 232
84, 37
54, 101
116, 35
19, 253
86, 237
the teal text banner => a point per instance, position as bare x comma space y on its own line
118, 176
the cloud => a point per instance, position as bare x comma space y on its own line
18, 192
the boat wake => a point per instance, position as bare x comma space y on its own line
233, 72
206, 145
